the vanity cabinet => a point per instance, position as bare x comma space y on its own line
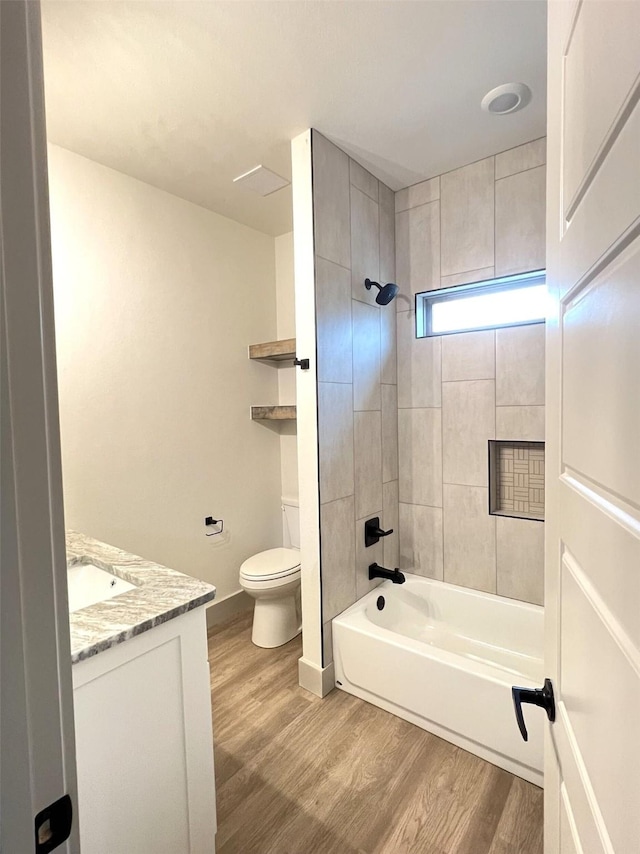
144, 743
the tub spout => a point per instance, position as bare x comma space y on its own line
394, 575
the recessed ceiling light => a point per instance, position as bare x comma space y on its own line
261, 180
508, 98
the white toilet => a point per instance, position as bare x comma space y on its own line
272, 578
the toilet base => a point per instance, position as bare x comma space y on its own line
275, 621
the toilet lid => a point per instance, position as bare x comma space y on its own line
272, 564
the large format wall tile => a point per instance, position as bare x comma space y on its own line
419, 366
388, 348
520, 423
366, 356
469, 538
333, 322
468, 422
389, 432
418, 194
368, 463
335, 439
467, 211
526, 156
365, 245
366, 556
387, 218
520, 559
420, 441
338, 557
467, 278
489, 384
520, 365
421, 540
355, 239
363, 180
331, 209
391, 521
469, 356
520, 222
417, 252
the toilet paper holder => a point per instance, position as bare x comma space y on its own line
209, 520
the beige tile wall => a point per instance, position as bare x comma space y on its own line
457, 392
354, 221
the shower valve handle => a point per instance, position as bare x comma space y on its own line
373, 532
542, 697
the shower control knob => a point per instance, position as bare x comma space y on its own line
542, 697
373, 532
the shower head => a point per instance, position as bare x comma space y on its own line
385, 292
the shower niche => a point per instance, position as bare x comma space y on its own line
516, 479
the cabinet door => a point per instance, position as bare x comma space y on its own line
145, 743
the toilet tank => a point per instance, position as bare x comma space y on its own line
290, 523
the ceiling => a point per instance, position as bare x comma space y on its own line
187, 95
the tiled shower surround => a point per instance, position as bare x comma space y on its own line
357, 412
456, 392
404, 430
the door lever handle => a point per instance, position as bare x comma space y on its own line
542, 697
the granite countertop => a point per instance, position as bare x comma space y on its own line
160, 595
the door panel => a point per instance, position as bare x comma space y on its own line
593, 101
575, 793
601, 694
38, 758
608, 214
605, 540
600, 364
592, 596
568, 830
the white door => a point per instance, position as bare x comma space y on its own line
592, 602
37, 759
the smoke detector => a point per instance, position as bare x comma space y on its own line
261, 181
508, 98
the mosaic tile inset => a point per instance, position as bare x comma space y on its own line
519, 479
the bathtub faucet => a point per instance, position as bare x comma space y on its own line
394, 575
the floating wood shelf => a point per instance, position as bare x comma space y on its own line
273, 413
274, 351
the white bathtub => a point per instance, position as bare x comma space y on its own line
445, 658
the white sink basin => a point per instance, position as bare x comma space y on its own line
89, 584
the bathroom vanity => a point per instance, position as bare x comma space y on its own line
142, 704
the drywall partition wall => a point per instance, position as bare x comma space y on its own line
286, 328
156, 301
456, 392
310, 670
357, 408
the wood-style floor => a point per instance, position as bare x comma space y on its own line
300, 775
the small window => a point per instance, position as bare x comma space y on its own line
509, 301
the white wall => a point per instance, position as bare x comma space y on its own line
286, 325
156, 302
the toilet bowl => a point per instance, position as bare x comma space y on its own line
272, 578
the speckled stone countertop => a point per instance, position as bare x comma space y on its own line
160, 595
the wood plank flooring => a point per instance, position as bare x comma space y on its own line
300, 775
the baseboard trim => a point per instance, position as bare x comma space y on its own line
222, 610
318, 680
